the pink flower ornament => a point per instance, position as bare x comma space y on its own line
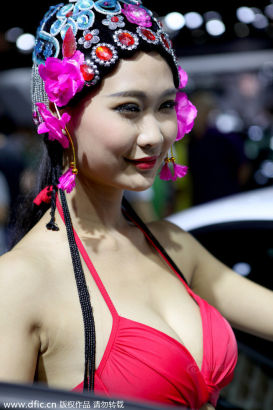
186, 113
183, 76
63, 78
179, 171
67, 181
137, 15
53, 126
165, 173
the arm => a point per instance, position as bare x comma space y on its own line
245, 304
19, 321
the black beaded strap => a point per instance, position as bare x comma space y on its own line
131, 214
87, 311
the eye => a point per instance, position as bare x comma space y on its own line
168, 105
128, 108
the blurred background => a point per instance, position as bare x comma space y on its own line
226, 48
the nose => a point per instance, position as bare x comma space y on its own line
150, 133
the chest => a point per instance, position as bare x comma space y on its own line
140, 287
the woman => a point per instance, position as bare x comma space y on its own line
111, 79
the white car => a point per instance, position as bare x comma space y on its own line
256, 205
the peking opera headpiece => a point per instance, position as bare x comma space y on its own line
80, 42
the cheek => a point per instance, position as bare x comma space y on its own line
103, 135
171, 130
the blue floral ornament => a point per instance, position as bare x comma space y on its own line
38, 49
112, 6
47, 16
134, 2
84, 5
70, 23
46, 45
63, 16
85, 19
48, 50
83, 15
108, 6
77, 16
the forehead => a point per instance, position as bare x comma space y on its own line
144, 71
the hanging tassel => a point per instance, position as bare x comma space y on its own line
43, 196
67, 181
165, 173
51, 226
179, 171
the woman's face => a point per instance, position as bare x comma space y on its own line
123, 132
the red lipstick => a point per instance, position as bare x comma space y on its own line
144, 163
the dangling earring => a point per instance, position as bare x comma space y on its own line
67, 181
165, 173
179, 171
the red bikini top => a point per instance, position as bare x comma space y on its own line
142, 363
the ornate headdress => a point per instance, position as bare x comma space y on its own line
101, 33
77, 44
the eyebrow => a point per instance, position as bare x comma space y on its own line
141, 94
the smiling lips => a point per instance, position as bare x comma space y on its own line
143, 163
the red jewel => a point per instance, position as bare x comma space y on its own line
148, 34
69, 14
87, 72
104, 53
114, 19
126, 39
165, 41
88, 37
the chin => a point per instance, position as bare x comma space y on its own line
140, 185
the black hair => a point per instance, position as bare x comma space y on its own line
27, 213
87, 311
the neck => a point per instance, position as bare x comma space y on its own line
95, 208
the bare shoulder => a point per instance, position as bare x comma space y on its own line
21, 261
179, 244
22, 279
25, 272
168, 234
